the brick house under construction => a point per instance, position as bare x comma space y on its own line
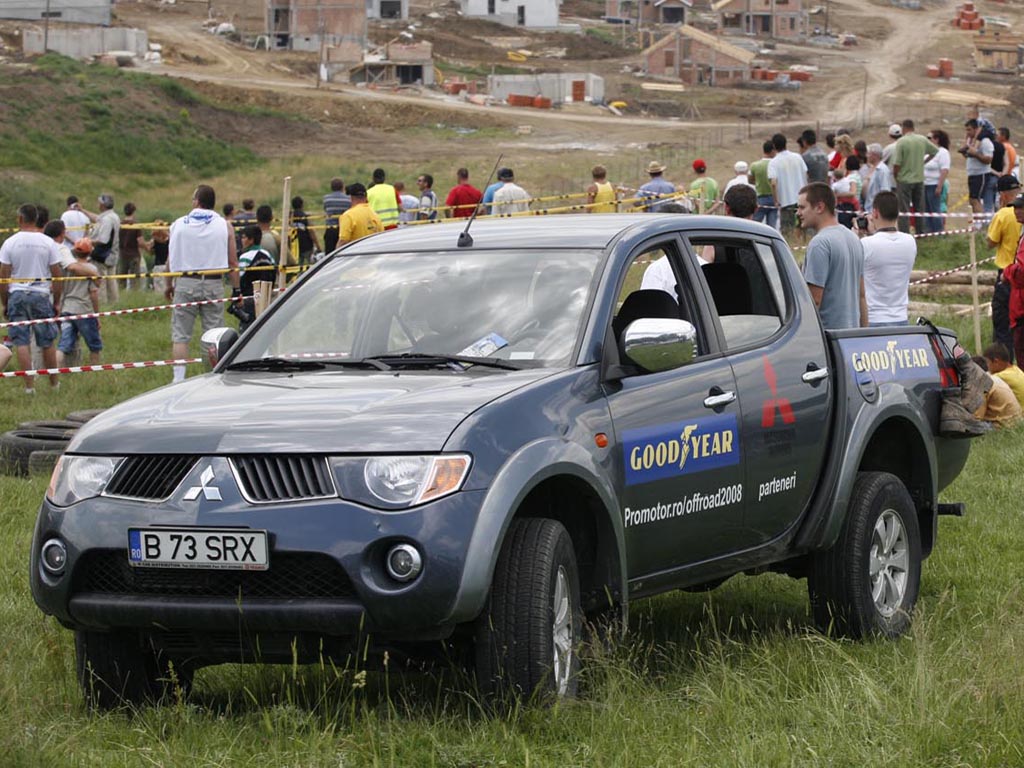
694, 56
301, 25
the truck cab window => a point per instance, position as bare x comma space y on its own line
745, 286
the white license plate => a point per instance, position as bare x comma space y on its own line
231, 548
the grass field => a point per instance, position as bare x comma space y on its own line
734, 677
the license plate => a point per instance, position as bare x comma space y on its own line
221, 548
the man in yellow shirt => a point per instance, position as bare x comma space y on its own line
1000, 406
360, 220
998, 358
1003, 235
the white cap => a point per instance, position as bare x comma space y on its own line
741, 166
895, 131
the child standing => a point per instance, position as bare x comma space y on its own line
81, 297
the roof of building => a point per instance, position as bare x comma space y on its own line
687, 3
717, 45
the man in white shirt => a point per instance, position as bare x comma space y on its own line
741, 169
410, 204
30, 258
888, 259
510, 197
201, 241
787, 173
76, 222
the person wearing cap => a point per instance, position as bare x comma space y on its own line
31, 259
510, 198
815, 159
106, 244
742, 171
704, 188
658, 187
908, 159
360, 220
1004, 233
601, 197
493, 187
202, 249
895, 131
81, 297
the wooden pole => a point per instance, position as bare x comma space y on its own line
974, 294
285, 251
261, 294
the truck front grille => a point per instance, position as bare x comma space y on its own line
149, 477
296, 575
283, 478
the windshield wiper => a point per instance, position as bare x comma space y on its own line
431, 359
276, 364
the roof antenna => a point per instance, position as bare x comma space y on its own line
465, 239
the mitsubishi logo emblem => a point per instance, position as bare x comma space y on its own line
212, 493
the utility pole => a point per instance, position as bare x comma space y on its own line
320, 31
46, 28
864, 102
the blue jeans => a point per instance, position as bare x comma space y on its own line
989, 194
933, 204
31, 305
766, 211
88, 327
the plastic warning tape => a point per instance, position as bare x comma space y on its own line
952, 271
101, 367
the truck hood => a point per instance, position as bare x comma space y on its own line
311, 412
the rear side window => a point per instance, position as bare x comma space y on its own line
745, 284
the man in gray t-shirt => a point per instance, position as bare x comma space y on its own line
834, 265
814, 157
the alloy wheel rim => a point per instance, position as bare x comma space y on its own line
889, 563
561, 631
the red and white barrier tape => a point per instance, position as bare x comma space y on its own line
953, 271
101, 367
116, 312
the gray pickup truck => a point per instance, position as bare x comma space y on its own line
483, 445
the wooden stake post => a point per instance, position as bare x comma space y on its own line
284, 252
262, 290
974, 294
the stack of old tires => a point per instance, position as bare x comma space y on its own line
34, 446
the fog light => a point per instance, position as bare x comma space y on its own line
404, 562
54, 556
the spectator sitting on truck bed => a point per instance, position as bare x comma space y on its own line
1000, 406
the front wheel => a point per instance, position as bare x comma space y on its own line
527, 636
867, 582
117, 669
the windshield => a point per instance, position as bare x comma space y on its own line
523, 306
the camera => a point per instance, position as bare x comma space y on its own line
963, 151
239, 311
862, 222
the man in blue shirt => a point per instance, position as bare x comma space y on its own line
657, 187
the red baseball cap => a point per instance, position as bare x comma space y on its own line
699, 165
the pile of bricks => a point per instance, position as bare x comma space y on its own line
772, 74
943, 69
967, 17
540, 102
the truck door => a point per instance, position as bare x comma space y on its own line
774, 342
678, 450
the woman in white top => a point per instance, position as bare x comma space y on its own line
847, 188
935, 172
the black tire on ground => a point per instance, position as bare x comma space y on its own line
83, 416
42, 462
17, 445
867, 583
527, 637
55, 425
117, 669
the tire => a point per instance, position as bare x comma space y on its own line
867, 583
83, 416
116, 669
528, 634
43, 462
68, 427
17, 445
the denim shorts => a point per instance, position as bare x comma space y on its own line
88, 327
31, 305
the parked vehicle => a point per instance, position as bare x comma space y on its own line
482, 445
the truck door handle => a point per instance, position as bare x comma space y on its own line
717, 398
814, 374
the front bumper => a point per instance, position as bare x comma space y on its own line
348, 591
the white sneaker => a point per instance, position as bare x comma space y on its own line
30, 391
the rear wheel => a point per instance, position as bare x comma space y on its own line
867, 583
528, 634
117, 669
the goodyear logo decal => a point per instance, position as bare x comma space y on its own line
907, 357
667, 450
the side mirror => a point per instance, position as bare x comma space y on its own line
216, 342
659, 344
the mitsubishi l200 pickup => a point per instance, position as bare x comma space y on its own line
484, 444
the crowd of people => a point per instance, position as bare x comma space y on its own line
853, 204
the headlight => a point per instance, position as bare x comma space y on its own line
397, 482
76, 478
